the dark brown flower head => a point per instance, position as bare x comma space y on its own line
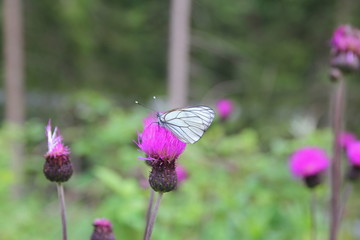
163, 177
353, 173
313, 180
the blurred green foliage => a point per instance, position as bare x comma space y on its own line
269, 56
235, 190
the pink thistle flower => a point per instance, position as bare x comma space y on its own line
307, 163
158, 143
181, 173
102, 230
57, 167
339, 38
162, 149
55, 145
353, 153
225, 108
346, 138
345, 45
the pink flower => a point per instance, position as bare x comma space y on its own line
339, 40
57, 167
225, 108
308, 161
181, 173
162, 149
345, 45
353, 153
158, 143
346, 38
55, 146
346, 138
102, 230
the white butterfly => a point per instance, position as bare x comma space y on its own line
187, 124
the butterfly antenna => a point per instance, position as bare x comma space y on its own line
138, 103
155, 103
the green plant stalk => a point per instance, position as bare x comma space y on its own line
313, 215
153, 216
335, 172
60, 190
346, 195
149, 210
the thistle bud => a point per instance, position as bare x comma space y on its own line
57, 167
225, 108
102, 230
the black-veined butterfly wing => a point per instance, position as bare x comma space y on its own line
188, 124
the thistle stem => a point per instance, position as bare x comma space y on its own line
335, 177
60, 190
153, 217
313, 200
149, 210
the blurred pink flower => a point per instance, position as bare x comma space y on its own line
346, 38
345, 45
346, 138
308, 161
158, 143
353, 153
225, 108
102, 230
181, 173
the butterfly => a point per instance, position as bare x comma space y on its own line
187, 124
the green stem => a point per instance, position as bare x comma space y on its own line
346, 194
313, 215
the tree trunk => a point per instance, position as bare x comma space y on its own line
178, 65
14, 89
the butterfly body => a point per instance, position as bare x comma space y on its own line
187, 124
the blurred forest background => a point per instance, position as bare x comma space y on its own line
87, 61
